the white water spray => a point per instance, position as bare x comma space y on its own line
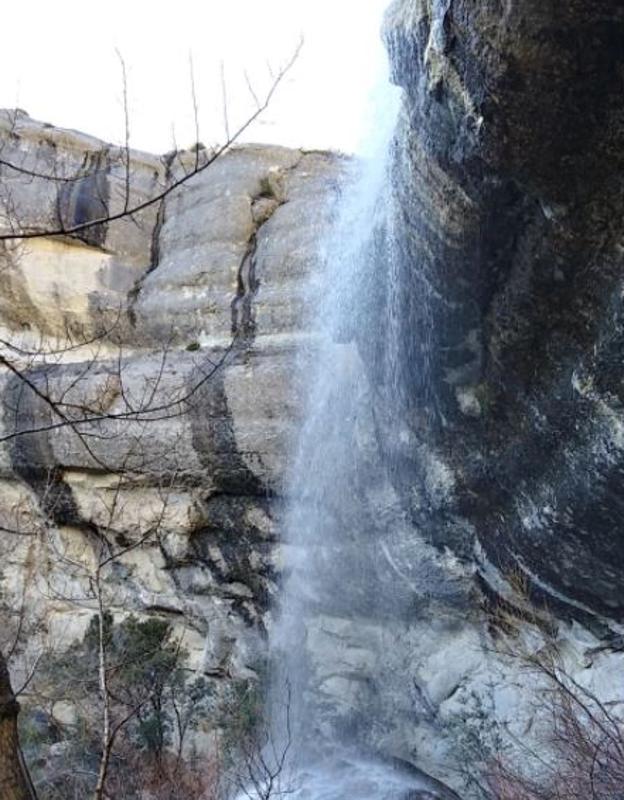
341, 540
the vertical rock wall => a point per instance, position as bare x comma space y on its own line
195, 302
508, 171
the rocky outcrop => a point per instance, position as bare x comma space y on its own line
504, 444
507, 165
191, 308
505, 461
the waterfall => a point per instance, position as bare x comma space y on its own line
345, 575
327, 559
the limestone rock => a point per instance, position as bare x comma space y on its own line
506, 173
507, 177
190, 310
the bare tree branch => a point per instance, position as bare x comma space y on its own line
107, 218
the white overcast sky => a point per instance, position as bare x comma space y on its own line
58, 62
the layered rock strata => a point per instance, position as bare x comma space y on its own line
175, 329
507, 456
507, 174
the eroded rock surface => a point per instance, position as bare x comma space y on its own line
192, 308
507, 172
508, 454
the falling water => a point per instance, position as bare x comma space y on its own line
343, 538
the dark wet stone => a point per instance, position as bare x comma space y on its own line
507, 168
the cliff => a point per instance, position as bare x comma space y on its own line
491, 500
195, 303
512, 139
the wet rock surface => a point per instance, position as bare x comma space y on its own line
509, 453
507, 171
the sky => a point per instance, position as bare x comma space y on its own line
60, 62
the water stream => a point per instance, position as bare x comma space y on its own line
345, 575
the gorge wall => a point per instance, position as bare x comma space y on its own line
507, 463
509, 151
143, 307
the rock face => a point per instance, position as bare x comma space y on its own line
509, 452
193, 305
507, 165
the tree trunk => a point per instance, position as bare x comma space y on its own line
15, 783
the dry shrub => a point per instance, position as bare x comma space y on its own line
169, 778
581, 753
